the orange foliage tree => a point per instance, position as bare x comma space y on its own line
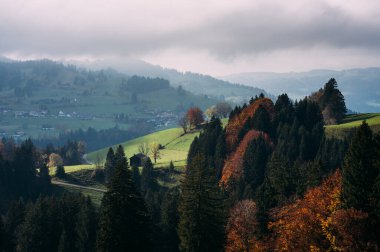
318, 222
194, 116
241, 227
233, 167
236, 123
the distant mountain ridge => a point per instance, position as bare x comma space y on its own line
193, 82
360, 86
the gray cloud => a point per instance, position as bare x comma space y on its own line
249, 28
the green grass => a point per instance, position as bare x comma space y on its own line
352, 121
176, 146
74, 168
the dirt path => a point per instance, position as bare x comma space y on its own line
77, 186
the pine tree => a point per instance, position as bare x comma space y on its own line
60, 171
254, 162
201, 224
261, 120
12, 222
124, 223
359, 170
169, 220
86, 226
2, 236
109, 165
148, 180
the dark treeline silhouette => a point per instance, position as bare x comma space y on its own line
93, 139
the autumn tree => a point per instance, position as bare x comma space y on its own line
242, 227
155, 151
55, 160
318, 222
194, 116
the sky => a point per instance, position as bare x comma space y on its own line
216, 37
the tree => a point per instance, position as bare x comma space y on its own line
194, 116
2, 235
332, 103
143, 148
360, 170
169, 220
109, 165
55, 160
254, 162
242, 227
124, 223
223, 109
148, 180
184, 123
155, 150
60, 171
201, 223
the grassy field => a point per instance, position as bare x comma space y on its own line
352, 121
176, 146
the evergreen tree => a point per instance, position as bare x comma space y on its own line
332, 102
60, 171
40, 231
169, 220
220, 154
359, 170
261, 120
201, 223
136, 177
86, 226
12, 222
148, 180
2, 235
171, 168
109, 165
254, 163
124, 223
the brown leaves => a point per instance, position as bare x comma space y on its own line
241, 227
318, 223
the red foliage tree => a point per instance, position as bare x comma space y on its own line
194, 116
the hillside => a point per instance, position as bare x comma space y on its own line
175, 144
45, 98
359, 86
193, 82
352, 121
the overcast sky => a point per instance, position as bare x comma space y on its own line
216, 37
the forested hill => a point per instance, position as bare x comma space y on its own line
359, 86
193, 82
44, 98
283, 185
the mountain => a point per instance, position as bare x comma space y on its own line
361, 87
193, 82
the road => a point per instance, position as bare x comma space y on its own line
77, 186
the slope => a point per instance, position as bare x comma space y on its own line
175, 147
